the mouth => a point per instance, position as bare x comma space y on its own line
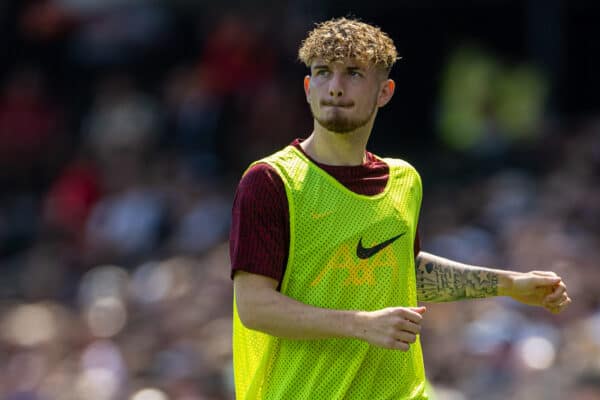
338, 105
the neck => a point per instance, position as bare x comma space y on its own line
332, 148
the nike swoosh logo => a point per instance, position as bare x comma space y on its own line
367, 252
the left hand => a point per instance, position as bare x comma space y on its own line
540, 288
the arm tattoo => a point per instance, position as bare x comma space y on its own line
440, 280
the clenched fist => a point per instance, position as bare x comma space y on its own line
391, 328
540, 288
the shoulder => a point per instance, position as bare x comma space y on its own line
404, 168
397, 163
260, 196
260, 177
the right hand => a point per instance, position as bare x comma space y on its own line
391, 328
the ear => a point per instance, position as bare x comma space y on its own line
307, 87
386, 92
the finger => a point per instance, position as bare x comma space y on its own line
556, 294
555, 297
396, 345
561, 306
560, 299
405, 313
564, 303
411, 315
409, 326
406, 337
557, 302
544, 281
421, 310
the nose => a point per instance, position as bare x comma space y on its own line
336, 87
336, 92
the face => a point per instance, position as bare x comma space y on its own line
345, 95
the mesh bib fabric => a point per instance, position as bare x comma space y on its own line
347, 251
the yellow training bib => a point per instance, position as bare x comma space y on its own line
347, 252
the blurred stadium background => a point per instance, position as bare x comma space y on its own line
125, 125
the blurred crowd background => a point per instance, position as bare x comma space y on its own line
125, 125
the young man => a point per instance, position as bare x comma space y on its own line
325, 256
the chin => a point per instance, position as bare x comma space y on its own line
340, 129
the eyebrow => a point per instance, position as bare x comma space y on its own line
349, 68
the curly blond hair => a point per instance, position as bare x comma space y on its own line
341, 38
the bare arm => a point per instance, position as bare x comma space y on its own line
440, 279
261, 307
